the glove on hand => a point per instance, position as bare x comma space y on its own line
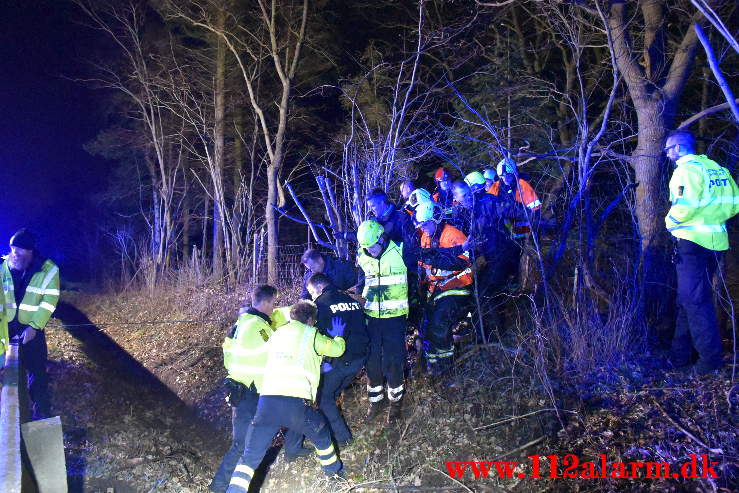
337, 327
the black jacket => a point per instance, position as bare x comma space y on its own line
333, 303
398, 226
485, 224
342, 274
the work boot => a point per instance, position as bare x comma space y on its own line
375, 409
395, 412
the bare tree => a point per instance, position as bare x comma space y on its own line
279, 35
135, 79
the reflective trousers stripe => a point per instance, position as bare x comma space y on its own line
240, 483
329, 450
243, 468
329, 461
395, 394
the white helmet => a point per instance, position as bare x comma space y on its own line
417, 196
427, 211
506, 165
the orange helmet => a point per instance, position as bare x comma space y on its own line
441, 174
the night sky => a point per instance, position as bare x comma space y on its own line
45, 119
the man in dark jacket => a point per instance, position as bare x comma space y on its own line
495, 254
337, 373
397, 224
342, 273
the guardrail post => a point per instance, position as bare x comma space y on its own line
10, 429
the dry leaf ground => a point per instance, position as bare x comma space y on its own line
124, 430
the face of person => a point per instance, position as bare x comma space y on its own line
315, 266
405, 190
377, 206
375, 250
488, 184
314, 291
445, 183
267, 306
19, 258
672, 149
463, 196
429, 227
509, 178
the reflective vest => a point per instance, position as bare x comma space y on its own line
39, 302
385, 282
525, 195
4, 339
443, 282
245, 354
703, 197
280, 316
294, 360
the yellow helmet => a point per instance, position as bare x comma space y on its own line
474, 179
369, 233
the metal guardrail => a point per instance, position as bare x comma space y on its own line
10, 425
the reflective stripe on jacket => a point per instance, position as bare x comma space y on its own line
40, 300
703, 197
4, 339
245, 354
526, 195
294, 360
455, 282
385, 282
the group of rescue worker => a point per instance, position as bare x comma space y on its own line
415, 264
419, 264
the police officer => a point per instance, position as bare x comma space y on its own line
244, 356
703, 197
31, 293
338, 373
384, 275
291, 378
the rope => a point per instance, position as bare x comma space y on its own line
153, 322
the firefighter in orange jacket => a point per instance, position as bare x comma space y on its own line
447, 277
512, 187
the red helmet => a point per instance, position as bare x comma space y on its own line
441, 174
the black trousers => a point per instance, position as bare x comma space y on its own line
696, 326
492, 282
387, 354
33, 357
442, 313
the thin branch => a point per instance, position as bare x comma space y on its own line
713, 63
707, 112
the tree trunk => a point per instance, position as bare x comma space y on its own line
271, 218
218, 152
